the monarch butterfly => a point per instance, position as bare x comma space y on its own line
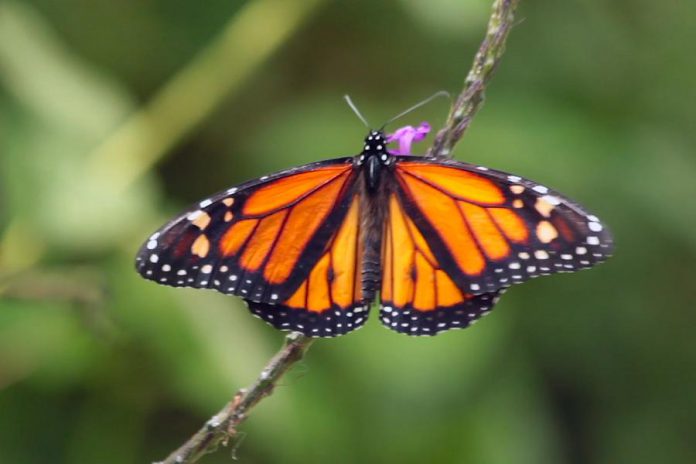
310, 248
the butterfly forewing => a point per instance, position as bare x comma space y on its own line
489, 229
259, 240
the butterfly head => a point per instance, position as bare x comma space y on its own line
375, 147
375, 142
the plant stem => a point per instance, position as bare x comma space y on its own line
471, 98
222, 427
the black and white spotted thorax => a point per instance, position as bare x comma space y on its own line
374, 157
375, 147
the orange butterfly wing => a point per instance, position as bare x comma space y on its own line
329, 302
490, 229
260, 240
462, 234
418, 296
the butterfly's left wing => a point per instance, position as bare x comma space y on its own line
287, 243
258, 240
329, 302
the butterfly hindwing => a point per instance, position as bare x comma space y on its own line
418, 296
329, 302
259, 240
489, 229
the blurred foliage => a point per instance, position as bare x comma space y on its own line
96, 365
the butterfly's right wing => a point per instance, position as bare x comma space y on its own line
418, 296
490, 229
458, 235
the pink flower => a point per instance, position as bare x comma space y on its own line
406, 136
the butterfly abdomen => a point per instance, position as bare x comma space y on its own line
372, 225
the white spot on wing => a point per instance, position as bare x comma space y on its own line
195, 214
551, 199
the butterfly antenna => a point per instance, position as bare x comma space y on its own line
439, 94
355, 110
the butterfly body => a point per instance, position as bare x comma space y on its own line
310, 249
374, 157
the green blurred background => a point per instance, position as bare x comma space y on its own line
116, 115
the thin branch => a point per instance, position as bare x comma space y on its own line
222, 427
485, 62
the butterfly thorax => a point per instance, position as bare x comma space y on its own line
373, 158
